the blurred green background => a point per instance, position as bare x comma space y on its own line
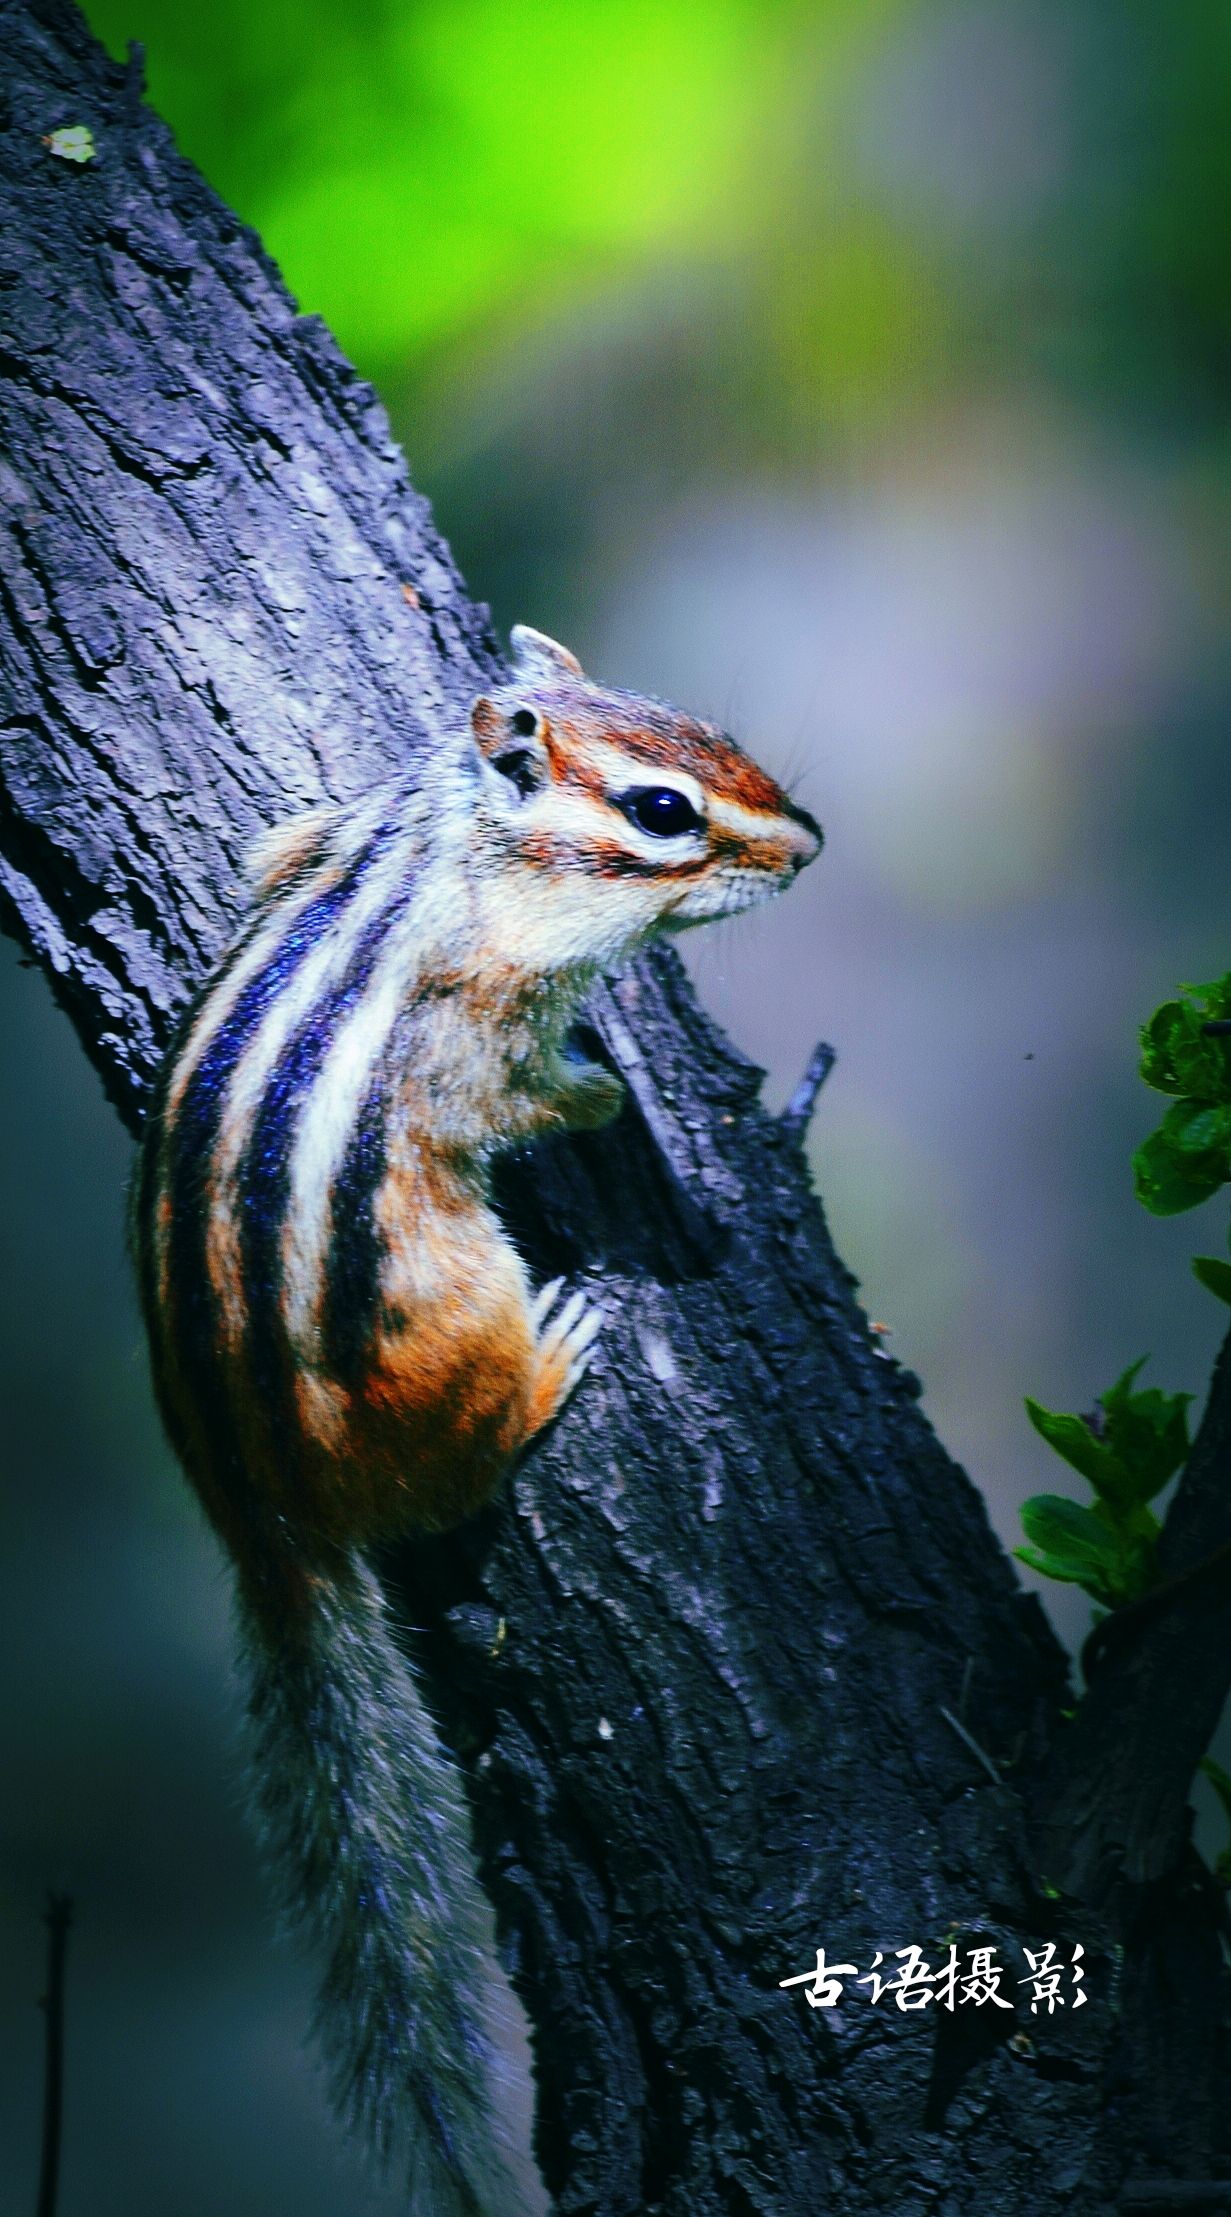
852, 370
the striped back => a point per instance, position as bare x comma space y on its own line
270, 1110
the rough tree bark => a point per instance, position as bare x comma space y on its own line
736, 1667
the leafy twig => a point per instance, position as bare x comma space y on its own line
1127, 1451
1186, 1050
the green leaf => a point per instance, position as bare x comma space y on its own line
1178, 1056
1111, 1549
1146, 1435
1214, 1275
1071, 1437
1046, 1567
75, 144
1189, 1156
1142, 1445
1070, 1543
1052, 1566
1185, 1160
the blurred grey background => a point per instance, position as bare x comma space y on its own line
855, 375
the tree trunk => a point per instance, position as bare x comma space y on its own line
735, 1666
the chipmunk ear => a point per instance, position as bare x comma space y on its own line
535, 655
511, 746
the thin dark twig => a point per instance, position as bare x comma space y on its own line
134, 75
797, 1114
58, 1918
968, 1740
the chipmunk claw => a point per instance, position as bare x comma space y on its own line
543, 1300
565, 1344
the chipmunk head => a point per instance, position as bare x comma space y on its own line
614, 816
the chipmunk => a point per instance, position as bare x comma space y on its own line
346, 1345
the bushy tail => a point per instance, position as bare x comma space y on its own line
366, 1826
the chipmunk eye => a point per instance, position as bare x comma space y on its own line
524, 722
661, 810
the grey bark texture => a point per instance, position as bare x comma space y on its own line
735, 1665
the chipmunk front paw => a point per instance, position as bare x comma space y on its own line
564, 1343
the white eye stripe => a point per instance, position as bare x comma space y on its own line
574, 813
747, 823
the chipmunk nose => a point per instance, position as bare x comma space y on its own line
808, 839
